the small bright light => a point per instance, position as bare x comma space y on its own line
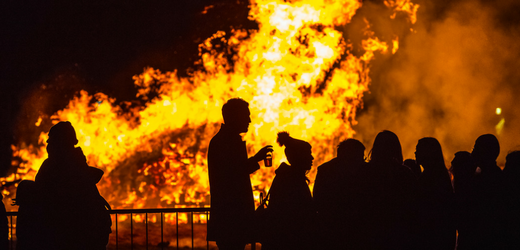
499, 111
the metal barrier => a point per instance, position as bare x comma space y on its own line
115, 224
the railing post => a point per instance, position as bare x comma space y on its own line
117, 234
162, 230
207, 241
11, 238
177, 228
131, 231
192, 245
146, 224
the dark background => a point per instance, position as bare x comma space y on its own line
56, 48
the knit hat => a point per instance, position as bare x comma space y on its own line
293, 146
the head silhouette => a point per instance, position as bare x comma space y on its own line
236, 115
486, 150
351, 150
386, 148
428, 153
462, 164
298, 152
513, 162
62, 137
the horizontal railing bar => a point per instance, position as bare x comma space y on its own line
160, 210
149, 210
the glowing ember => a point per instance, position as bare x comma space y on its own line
296, 71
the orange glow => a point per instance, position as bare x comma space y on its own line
395, 44
296, 71
403, 6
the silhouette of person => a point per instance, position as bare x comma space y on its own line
4, 227
232, 201
334, 194
463, 169
292, 224
29, 234
490, 194
387, 197
412, 165
512, 175
436, 199
74, 214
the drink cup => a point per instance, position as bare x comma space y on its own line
268, 161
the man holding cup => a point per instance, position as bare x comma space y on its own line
229, 167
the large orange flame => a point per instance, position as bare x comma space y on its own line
296, 71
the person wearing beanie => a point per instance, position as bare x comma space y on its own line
291, 212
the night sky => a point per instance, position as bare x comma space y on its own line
65, 46
106, 42
59, 47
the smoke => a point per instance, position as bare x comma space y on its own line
447, 80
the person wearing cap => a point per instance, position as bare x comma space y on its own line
73, 213
231, 222
291, 213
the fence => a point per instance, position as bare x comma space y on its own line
116, 241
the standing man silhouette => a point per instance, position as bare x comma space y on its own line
232, 202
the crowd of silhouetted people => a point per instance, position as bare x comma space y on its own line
379, 202
385, 202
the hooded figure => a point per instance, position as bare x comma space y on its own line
68, 210
292, 216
